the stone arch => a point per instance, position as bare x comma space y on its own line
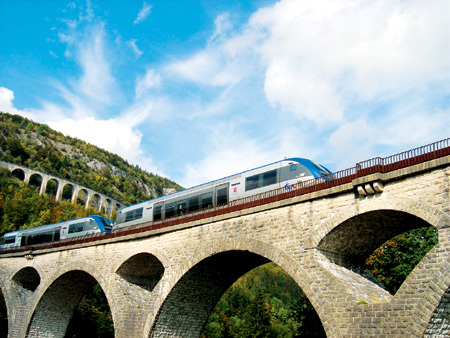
59, 296
52, 314
83, 199
18, 173
27, 278
427, 285
415, 208
36, 180
95, 201
67, 192
108, 205
142, 269
52, 187
235, 257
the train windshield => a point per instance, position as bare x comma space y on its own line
107, 223
7, 240
321, 169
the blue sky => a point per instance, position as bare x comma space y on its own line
197, 90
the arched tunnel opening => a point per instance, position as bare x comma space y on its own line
35, 181
383, 246
144, 270
3, 317
236, 294
27, 278
19, 174
73, 306
52, 188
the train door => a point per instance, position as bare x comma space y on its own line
222, 194
157, 211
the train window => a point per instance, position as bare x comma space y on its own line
252, 182
157, 212
77, 227
56, 234
194, 203
170, 210
181, 207
207, 200
269, 178
8, 240
133, 214
293, 167
222, 196
90, 225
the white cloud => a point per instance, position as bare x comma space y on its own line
321, 54
208, 67
149, 81
143, 13
7, 105
97, 82
137, 52
113, 135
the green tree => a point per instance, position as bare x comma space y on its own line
393, 261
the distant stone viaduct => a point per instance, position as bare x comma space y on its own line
64, 187
164, 282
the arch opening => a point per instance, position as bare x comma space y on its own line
52, 188
67, 192
195, 306
35, 181
82, 197
58, 307
3, 316
108, 205
27, 278
19, 174
95, 201
144, 270
382, 246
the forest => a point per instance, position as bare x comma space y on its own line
265, 302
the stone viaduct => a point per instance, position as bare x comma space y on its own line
164, 281
91, 197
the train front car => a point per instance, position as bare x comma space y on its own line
285, 173
86, 226
10, 239
54, 232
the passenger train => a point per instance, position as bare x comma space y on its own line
284, 173
54, 232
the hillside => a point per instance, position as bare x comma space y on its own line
37, 146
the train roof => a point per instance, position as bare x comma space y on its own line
309, 164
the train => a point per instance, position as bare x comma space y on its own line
84, 226
285, 173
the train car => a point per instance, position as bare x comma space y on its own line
54, 232
284, 173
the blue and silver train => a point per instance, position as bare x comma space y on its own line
54, 232
284, 173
